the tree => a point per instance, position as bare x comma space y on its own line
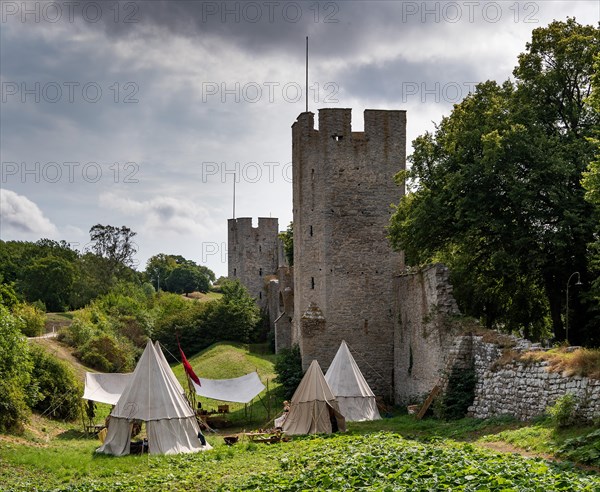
183, 280
287, 237
114, 243
591, 183
49, 280
158, 268
498, 195
190, 276
235, 316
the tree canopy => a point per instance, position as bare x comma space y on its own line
498, 193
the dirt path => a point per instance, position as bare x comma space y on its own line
63, 352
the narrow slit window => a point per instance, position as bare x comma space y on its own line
312, 282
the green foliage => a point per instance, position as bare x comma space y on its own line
584, 449
8, 296
498, 195
59, 393
188, 324
459, 395
564, 411
174, 273
287, 237
289, 370
34, 319
385, 461
235, 316
50, 280
107, 352
15, 373
114, 243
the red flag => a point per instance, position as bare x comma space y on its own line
188, 368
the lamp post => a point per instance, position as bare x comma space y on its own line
567, 312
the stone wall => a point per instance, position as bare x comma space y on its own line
426, 342
253, 254
344, 267
524, 390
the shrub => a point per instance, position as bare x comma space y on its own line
459, 395
33, 319
288, 367
15, 373
59, 393
108, 353
564, 411
189, 325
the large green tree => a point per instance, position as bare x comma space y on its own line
498, 194
49, 280
591, 183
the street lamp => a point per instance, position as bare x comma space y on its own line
567, 312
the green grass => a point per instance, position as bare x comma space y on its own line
539, 437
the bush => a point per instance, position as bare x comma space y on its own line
564, 412
288, 367
459, 395
189, 325
34, 319
15, 373
59, 393
108, 353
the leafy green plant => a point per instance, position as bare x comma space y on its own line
584, 449
289, 370
59, 393
564, 411
33, 318
15, 373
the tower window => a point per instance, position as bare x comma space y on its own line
311, 230
312, 282
336, 137
259, 248
260, 272
235, 272
260, 295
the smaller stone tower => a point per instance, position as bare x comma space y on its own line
253, 254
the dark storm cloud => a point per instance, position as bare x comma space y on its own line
404, 81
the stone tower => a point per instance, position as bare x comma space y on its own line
344, 267
253, 254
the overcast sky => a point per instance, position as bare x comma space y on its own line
138, 113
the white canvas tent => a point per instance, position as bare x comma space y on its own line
313, 406
351, 390
153, 396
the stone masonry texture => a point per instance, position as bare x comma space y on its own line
253, 254
344, 267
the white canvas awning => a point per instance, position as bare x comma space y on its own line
240, 390
105, 388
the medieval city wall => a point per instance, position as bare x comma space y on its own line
431, 342
424, 340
